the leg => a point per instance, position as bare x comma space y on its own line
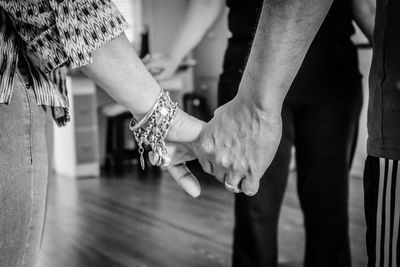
382, 211
23, 177
324, 140
256, 224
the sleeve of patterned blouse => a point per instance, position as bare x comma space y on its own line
65, 32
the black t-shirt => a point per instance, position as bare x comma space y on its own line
330, 68
384, 83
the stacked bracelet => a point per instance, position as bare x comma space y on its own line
153, 129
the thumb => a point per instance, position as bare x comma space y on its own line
185, 179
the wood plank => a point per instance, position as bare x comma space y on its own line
145, 220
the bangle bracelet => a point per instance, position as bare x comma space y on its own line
134, 125
158, 121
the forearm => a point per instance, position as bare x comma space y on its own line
200, 16
364, 16
119, 71
284, 34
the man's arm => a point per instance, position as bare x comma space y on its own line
200, 16
284, 34
364, 16
241, 140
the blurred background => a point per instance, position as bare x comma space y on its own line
104, 211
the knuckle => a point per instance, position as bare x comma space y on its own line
250, 186
207, 147
206, 166
229, 179
220, 178
242, 165
225, 162
207, 169
249, 193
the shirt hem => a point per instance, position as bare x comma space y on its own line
380, 151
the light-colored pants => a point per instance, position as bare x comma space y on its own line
23, 176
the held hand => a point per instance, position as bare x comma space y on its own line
238, 145
161, 67
183, 134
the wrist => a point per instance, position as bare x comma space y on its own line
184, 128
243, 109
149, 106
260, 97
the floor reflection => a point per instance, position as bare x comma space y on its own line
146, 220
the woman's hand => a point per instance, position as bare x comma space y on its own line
182, 137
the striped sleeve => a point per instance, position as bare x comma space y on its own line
8, 57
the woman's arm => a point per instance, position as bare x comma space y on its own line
120, 72
89, 34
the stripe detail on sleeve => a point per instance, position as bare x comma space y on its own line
388, 214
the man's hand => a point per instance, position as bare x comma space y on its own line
238, 145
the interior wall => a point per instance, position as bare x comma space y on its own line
209, 55
163, 17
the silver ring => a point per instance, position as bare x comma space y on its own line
232, 188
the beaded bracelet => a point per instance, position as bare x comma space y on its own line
158, 121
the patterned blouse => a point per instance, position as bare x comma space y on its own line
49, 34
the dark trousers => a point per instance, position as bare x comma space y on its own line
324, 135
382, 211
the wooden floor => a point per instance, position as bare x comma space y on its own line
146, 220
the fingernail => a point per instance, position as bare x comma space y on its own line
191, 187
251, 193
